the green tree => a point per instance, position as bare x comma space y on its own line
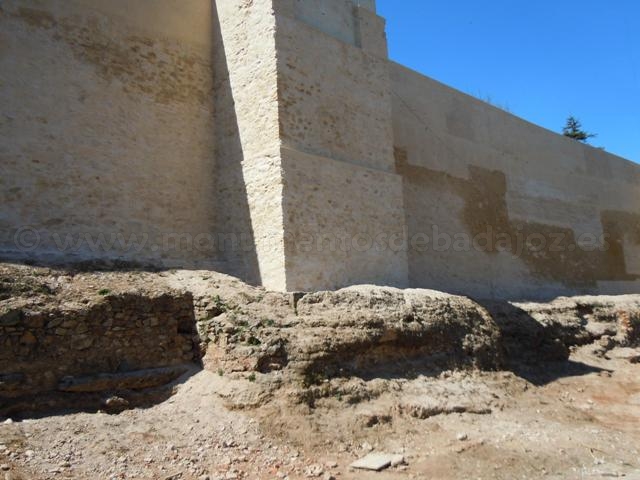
573, 129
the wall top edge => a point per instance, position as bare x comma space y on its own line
368, 4
403, 69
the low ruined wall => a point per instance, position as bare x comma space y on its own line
107, 128
55, 341
472, 171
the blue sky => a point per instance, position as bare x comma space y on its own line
543, 60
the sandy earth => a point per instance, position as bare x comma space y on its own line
570, 421
566, 420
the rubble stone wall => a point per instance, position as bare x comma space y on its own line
41, 347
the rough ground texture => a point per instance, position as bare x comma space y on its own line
300, 385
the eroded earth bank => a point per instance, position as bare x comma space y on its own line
195, 375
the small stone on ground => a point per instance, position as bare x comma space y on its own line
377, 461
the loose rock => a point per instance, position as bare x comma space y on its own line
374, 461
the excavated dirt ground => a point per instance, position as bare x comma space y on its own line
487, 391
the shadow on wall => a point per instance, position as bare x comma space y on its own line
238, 248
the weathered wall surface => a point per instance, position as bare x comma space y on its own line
90, 333
106, 121
517, 211
248, 143
274, 140
472, 169
340, 187
123, 333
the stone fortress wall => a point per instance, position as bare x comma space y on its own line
106, 126
470, 167
281, 129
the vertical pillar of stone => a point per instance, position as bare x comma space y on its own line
248, 142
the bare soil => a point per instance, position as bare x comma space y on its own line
583, 423
505, 414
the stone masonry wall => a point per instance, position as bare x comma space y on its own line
250, 174
274, 140
121, 334
340, 186
107, 129
475, 171
518, 211
51, 336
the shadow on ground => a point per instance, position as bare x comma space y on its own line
534, 351
108, 401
